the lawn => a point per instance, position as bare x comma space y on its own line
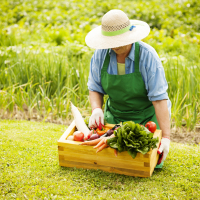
44, 64
29, 170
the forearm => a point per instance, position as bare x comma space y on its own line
96, 99
162, 115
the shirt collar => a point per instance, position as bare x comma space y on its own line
131, 53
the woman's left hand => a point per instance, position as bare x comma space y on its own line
163, 149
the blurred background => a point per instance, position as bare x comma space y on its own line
44, 61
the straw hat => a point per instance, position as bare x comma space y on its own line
116, 30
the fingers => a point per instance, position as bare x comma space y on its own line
163, 149
96, 123
160, 159
165, 152
164, 157
92, 122
101, 119
160, 150
96, 118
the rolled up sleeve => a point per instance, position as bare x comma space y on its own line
153, 74
157, 84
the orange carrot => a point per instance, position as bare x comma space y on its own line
101, 148
103, 141
92, 142
115, 152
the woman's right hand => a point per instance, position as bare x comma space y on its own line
96, 118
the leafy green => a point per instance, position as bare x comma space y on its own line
133, 138
132, 152
113, 143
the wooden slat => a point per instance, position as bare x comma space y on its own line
131, 172
146, 164
128, 172
61, 157
108, 152
155, 156
108, 161
70, 130
154, 160
110, 126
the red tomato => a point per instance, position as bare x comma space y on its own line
151, 126
78, 136
89, 135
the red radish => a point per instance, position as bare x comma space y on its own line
89, 135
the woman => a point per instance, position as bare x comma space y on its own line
131, 73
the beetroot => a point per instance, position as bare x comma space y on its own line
94, 136
109, 132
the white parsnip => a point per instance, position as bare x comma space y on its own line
79, 121
71, 137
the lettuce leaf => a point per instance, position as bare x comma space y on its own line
133, 137
132, 152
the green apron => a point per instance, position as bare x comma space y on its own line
128, 100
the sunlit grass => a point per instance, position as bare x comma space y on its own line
30, 170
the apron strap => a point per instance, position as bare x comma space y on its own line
137, 57
106, 61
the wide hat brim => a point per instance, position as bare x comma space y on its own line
96, 40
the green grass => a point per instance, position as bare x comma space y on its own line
29, 170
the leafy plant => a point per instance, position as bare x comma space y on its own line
133, 138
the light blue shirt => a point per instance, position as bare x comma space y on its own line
150, 68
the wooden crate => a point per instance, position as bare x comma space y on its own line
71, 154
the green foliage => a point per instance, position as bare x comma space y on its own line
44, 61
133, 138
58, 20
30, 170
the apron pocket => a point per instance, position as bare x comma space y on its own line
122, 116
